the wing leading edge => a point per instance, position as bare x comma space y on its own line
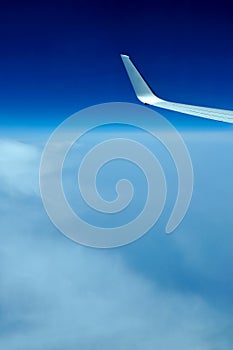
145, 94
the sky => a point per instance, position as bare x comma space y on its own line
161, 291
58, 57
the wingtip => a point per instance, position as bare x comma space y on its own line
142, 90
123, 55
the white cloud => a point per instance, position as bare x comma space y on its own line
18, 167
56, 294
59, 295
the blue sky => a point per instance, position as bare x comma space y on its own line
162, 291
57, 58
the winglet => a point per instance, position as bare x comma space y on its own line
141, 88
146, 95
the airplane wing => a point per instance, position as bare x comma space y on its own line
146, 95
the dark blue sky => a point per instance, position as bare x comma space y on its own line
58, 57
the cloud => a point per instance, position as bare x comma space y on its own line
18, 167
56, 294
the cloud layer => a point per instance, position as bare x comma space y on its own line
55, 294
